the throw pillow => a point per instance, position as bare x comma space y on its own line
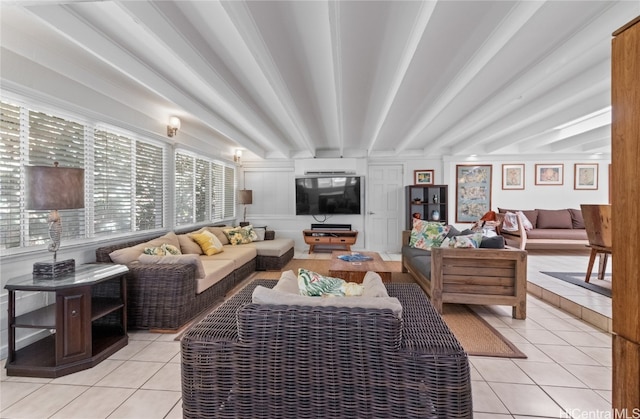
426, 234
176, 259
164, 249
208, 242
260, 233
312, 284
510, 222
188, 246
466, 242
240, 235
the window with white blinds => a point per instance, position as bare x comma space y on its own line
9, 176
112, 183
150, 186
125, 184
53, 139
202, 192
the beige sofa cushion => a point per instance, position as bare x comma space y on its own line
275, 247
188, 259
239, 254
188, 245
215, 269
263, 295
130, 254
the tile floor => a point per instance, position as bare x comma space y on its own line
567, 373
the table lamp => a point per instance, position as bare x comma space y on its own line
245, 197
54, 188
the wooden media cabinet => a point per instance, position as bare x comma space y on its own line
342, 239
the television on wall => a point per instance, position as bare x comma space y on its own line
327, 195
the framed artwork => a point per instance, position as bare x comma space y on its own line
585, 176
549, 174
423, 177
513, 176
473, 192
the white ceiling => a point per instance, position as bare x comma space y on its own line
297, 79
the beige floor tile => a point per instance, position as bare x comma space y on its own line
513, 336
43, 402
96, 402
11, 392
475, 375
132, 348
605, 395
521, 324
602, 355
143, 335
131, 374
490, 416
526, 399
544, 373
595, 377
176, 412
177, 358
90, 376
158, 352
579, 402
147, 404
602, 340
533, 353
561, 324
567, 355
485, 400
499, 370
542, 336
167, 378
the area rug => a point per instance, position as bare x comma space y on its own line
476, 336
602, 287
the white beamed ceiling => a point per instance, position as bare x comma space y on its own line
300, 79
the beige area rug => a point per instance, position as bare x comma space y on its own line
476, 336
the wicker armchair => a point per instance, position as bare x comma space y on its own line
249, 360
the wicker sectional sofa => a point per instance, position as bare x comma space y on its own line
255, 360
168, 295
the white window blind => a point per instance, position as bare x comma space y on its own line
53, 139
205, 190
9, 176
112, 188
150, 186
185, 185
229, 192
217, 175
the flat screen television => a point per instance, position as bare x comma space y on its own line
326, 195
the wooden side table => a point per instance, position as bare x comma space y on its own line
89, 320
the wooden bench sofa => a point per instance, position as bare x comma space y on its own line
469, 276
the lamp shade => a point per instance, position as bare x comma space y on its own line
245, 196
54, 188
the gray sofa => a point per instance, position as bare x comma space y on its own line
490, 275
167, 294
552, 229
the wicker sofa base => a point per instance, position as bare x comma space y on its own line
249, 360
273, 263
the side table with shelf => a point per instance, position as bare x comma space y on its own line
89, 318
429, 202
342, 239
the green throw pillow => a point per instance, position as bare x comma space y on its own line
312, 284
427, 234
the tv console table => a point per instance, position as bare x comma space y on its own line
342, 239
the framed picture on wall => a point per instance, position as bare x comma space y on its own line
423, 177
549, 174
513, 176
585, 176
473, 192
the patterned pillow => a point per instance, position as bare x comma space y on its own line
241, 235
162, 250
312, 284
426, 234
468, 241
208, 242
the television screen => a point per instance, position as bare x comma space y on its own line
328, 195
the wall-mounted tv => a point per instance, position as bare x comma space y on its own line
325, 195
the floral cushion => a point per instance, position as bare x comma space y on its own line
162, 250
208, 242
241, 235
468, 241
312, 284
426, 234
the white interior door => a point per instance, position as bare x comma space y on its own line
385, 208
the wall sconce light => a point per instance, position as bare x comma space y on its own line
174, 126
54, 188
237, 156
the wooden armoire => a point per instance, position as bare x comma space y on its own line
625, 201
